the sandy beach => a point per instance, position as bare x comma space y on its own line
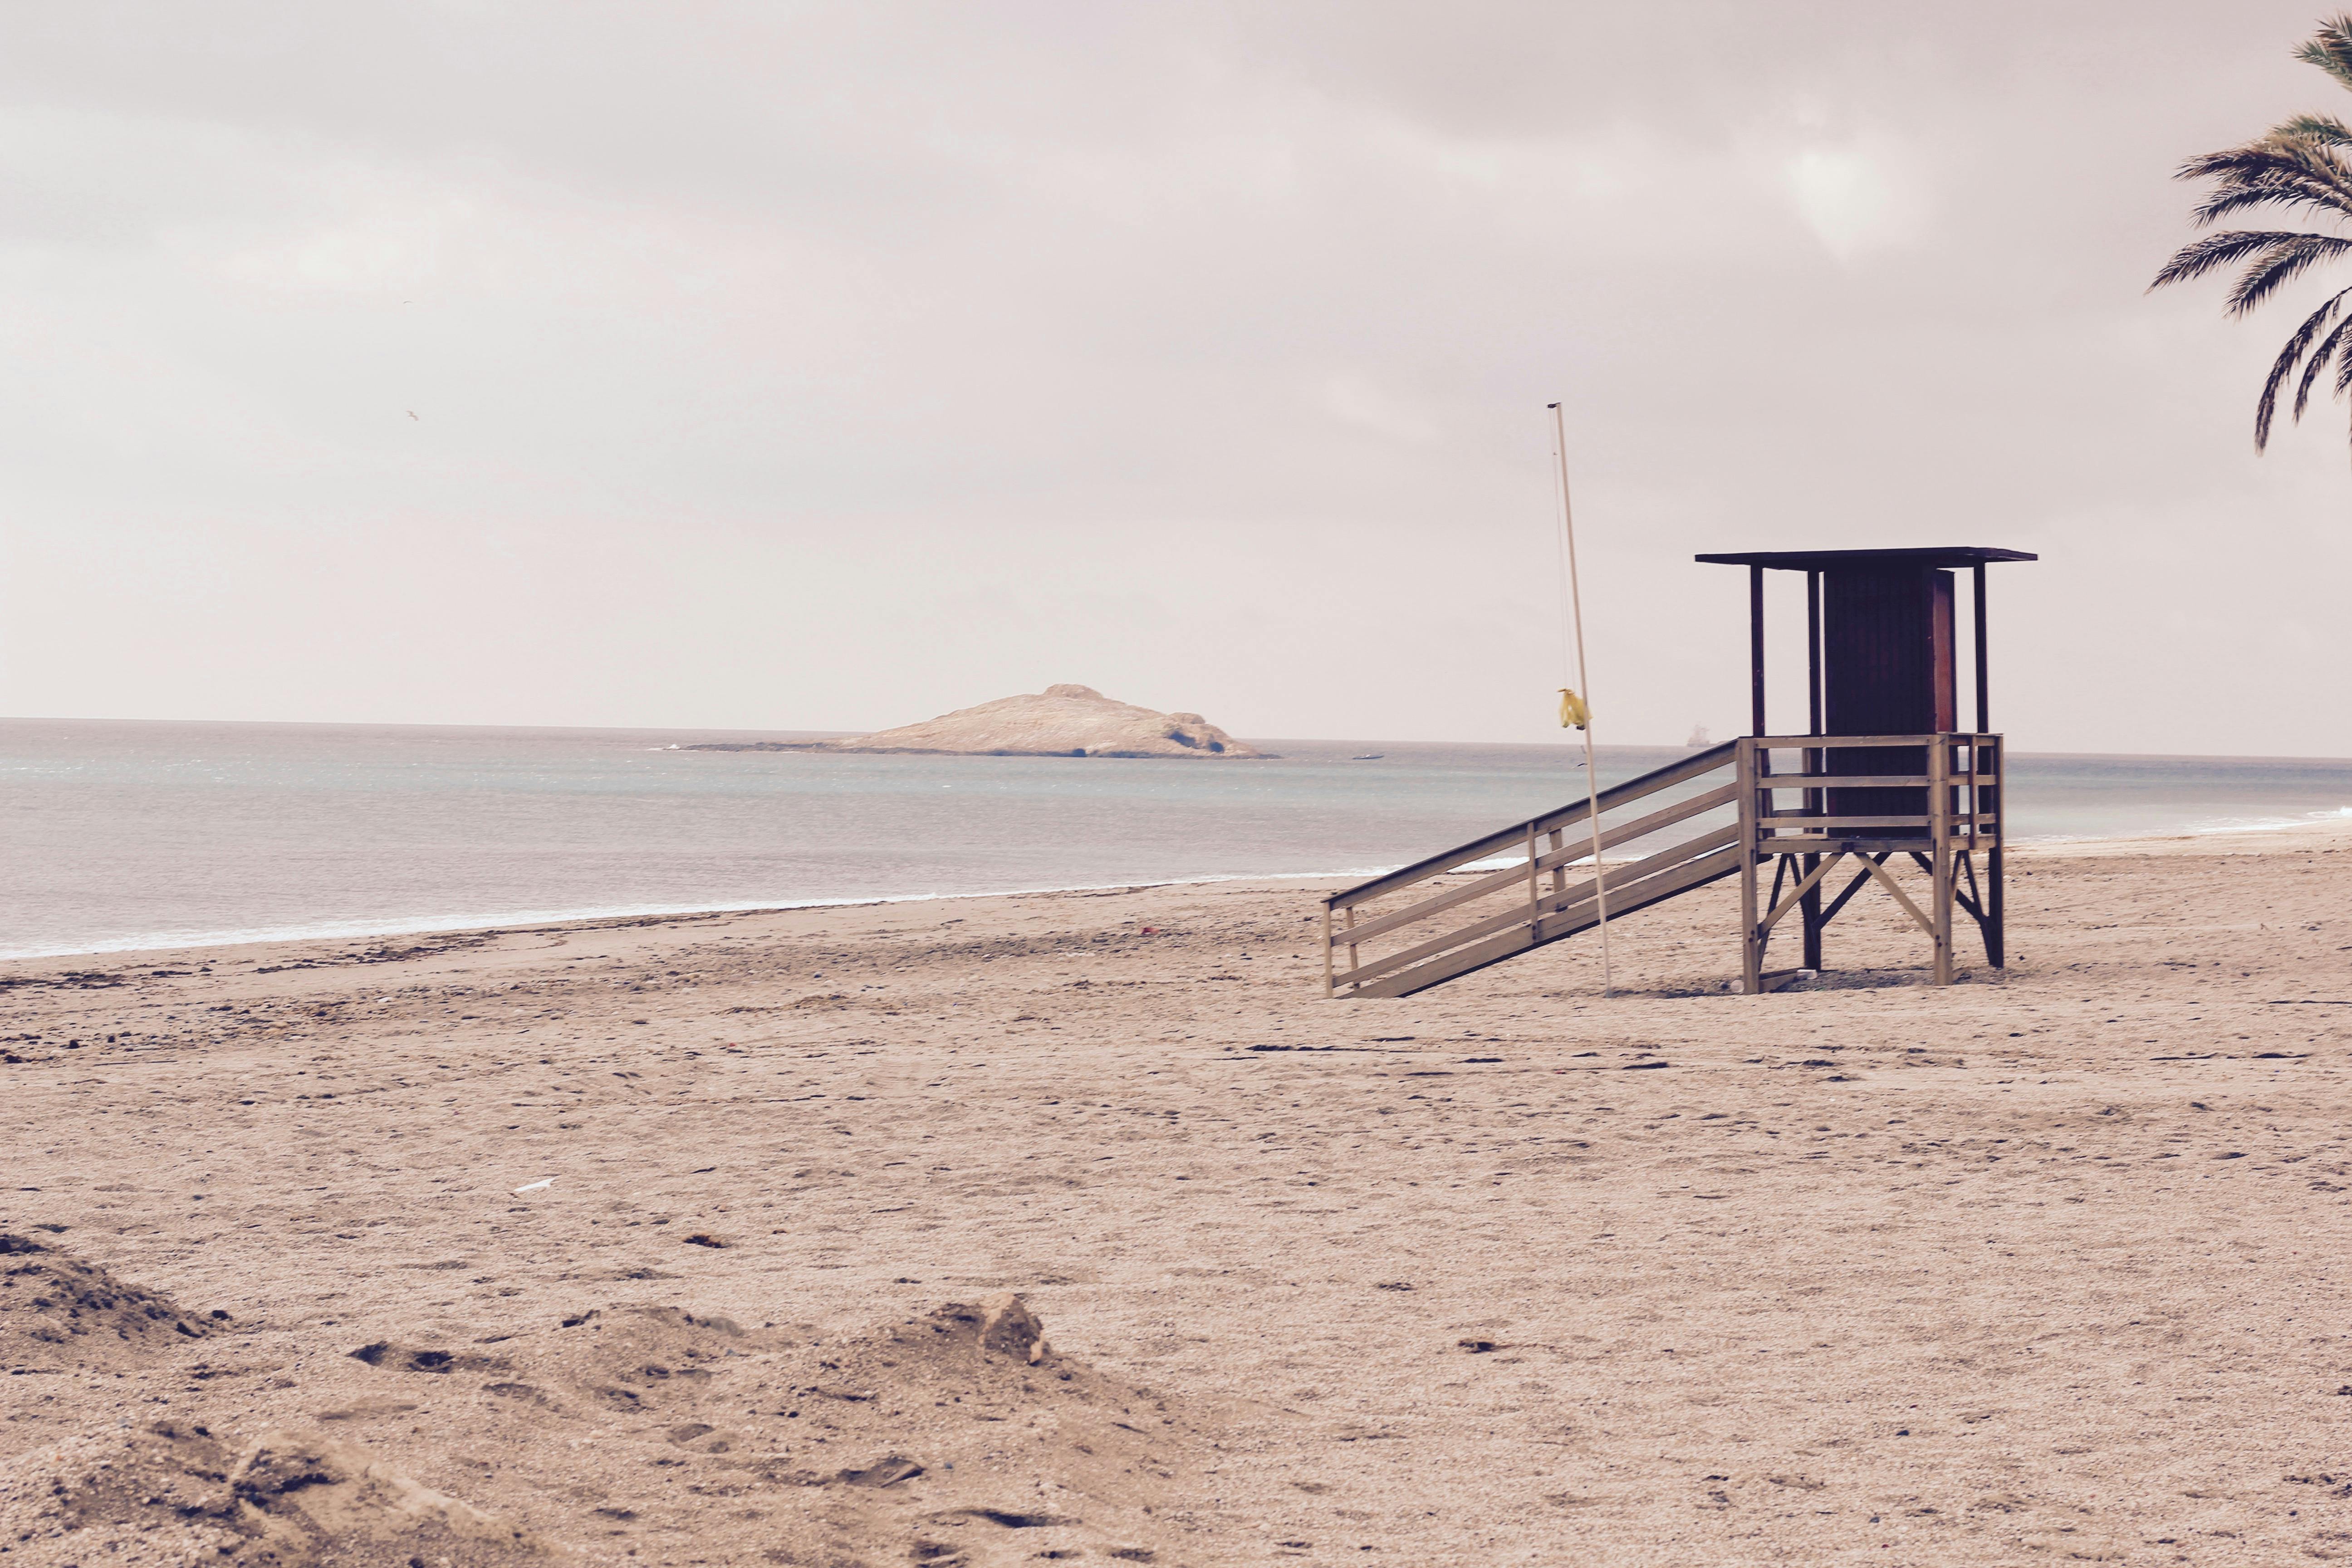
2048, 1265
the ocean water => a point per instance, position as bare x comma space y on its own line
116, 836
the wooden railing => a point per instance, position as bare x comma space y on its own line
1529, 902
1960, 794
1495, 912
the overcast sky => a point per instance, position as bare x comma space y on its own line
831, 365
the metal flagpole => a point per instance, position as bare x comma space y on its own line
1584, 682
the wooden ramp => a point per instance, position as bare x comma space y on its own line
1714, 815
1498, 912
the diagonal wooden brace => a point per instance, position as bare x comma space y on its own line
1812, 878
1901, 897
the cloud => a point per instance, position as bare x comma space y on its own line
1355, 402
391, 242
1857, 198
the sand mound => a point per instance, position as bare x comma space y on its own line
173, 1493
56, 1309
1060, 721
957, 1438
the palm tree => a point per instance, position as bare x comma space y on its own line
2302, 166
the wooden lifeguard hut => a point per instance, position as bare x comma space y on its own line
1883, 771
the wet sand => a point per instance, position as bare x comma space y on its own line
2049, 1264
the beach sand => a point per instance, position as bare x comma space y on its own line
2048, 1265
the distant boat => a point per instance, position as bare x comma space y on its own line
1369, 757
1698, 741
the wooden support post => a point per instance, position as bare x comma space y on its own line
1752, 948
1560, 872
1816, 801
1939, 846
1535, 897
1326, 950
1984, 661
1756, 649
1351, 946
1996, 937
1996, 941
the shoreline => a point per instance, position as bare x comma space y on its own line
2266, 838
2212, 840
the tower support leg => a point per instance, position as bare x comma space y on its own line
1751, 944
1940, 846
1996, 943
1809, 909
1996, 934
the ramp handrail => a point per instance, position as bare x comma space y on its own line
1541, 846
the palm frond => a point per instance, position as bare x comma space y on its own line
2237, 197
2331, 49
2290, 173
2313, 158
2218, 250
2245, 161
2324, 129
2281, 266
2318, 361
2289, 357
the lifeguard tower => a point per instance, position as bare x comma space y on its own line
1882, 772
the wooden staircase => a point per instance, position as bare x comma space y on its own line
1500, 911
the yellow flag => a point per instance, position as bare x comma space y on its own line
1572, 714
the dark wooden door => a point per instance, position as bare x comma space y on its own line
1887, 668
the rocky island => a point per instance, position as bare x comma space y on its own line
1059, 721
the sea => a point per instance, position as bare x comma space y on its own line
118, 835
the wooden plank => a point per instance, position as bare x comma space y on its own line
1887, 878
1580, 910
1798, 819
1797, 894
1995, 942
1940, 804
1327, 952
1496, 843
1837, 742
1854, 844
1534, 891
1493, 844
1462, 961
1811, 782
1581, 894
1751, 945
1862, 879
1494, 881
1756, 649
1976, 605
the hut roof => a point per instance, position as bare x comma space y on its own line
1829, 560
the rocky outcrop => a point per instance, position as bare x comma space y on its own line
1060, 721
